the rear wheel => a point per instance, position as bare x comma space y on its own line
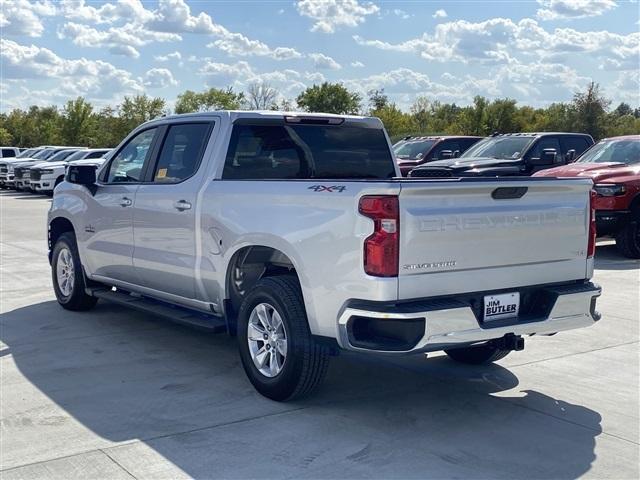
278, 353
478, 354
628, 240
67, 275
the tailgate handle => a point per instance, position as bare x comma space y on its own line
503, 193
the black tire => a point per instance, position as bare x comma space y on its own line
306, 362
478, 354
76, 299
628, 240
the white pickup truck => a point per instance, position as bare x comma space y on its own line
294, 232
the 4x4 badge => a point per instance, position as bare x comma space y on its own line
328, 188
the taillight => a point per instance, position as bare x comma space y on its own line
591, 248
381, 248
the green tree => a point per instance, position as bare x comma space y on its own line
329, 98
623, 109
501, 116
5, 137
591, 111
212, 99
394, 120
109, 128
77, 122
473, 118
558, 117
377, 99
421, 113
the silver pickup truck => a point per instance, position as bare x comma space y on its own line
294, 232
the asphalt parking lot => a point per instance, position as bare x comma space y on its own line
114, 393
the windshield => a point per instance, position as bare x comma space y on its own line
60, 155
413, 150
79, 155
28, 153
44, 154
499, 147
619, 151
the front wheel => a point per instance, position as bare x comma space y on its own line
628, 240
67, 275
278, 353
478, 354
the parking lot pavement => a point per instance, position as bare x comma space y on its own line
116, 394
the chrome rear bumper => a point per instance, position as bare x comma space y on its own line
450, 322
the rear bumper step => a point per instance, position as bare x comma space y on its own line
162, 309
430, 325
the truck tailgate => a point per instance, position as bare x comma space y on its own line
455, 237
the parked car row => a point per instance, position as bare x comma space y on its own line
41, 169
613, 164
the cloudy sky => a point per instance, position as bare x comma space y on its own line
536, 51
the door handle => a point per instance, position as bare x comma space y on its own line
182, 205
125, 202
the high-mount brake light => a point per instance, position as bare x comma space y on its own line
314, 120
591, 248
382, 247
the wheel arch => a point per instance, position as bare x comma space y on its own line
58, 226
247, 265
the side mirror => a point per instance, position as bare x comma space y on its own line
446, 154
82, 175
456, 153
570, 156
548, 157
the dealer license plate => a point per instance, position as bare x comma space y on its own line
497, 307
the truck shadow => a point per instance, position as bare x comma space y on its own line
181, 402
609, 258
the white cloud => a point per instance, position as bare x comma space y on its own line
357, 64
567, 9
440, 13
96, 79
401, 13
119, 40
237, 45
499, 40
315, 77
168, 57
22, 17
166, 23
159, 78
629, 83
324, 62
332, 14
132, 11
240, 74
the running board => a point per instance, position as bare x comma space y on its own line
174, 313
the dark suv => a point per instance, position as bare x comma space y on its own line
413, 151
511, 154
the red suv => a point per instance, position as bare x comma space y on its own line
614, 166
413, 151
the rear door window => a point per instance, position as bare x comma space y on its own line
451, 145
579, 144
181, 152
8, 152
307, 151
